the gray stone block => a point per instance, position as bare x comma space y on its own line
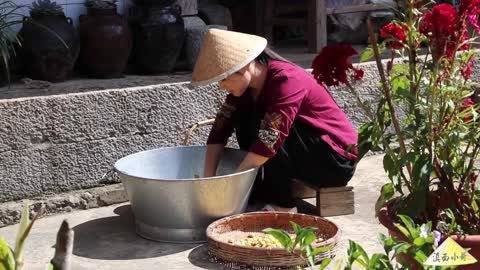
216, 14
67, 142
195, 30
203, 3
10, 212
189, 7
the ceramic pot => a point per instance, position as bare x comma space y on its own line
3, 74
158, 38
106, 43
50, 47
154, 2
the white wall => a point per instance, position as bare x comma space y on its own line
75, 8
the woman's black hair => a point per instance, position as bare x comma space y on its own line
267, 55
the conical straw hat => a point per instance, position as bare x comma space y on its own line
223, 53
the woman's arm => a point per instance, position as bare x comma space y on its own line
221, 130
212, 158
250, 161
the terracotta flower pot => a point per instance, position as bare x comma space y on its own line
471, 242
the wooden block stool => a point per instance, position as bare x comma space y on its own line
334, 201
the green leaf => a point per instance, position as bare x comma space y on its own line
319, 250
6, 258
50, 267
308, 253
404, 231
430, 240
367, 54
400, 82
409, 224
356, 254
309, 237
338, 265
422, 169
406, 94
305, 237
386, 194
475, 206
325, 263
22, 233
387, 242
379, 261
401, 69
419, 241
296, 227
374, 261
400, 248
420, 257
281, 236
392, 170
382, 48
365, 138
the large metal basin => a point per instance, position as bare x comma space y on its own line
170, 204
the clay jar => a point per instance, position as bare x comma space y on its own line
154, 2
158, 38
50, 47
106, 43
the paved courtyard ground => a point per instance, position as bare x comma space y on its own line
105, 237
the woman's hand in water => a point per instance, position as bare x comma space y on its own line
209, 174
212, 158
251, 161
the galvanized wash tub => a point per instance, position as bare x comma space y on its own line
171, 202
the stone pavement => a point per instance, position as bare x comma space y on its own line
105, 237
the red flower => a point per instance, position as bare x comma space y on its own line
467, 103
441, 26
394, 31
473, 19
470, 8
466, 70
441, 17
357, 74
331, 65
465, 5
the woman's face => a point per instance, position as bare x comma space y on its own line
237, 83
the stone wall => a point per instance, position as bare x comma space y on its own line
52, 144
58, 141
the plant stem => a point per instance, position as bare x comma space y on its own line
387, 92
469, 167
360, 102
412, 59
442, 176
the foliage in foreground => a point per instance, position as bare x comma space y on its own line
420, 245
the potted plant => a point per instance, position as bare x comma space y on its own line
424, 118
420, 244
9, 17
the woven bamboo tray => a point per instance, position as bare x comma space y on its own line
222, 247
